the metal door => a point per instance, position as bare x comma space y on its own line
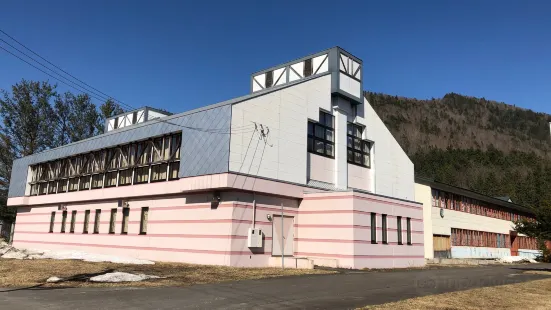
287, 231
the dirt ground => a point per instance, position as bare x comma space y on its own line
29, 273
527, 295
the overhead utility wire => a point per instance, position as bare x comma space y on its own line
97, 94
54, 72
67, 73
37, 68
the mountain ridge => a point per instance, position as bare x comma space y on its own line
491, 147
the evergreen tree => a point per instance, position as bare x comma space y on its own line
28, 123
106, 110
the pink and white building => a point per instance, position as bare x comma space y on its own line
302, 166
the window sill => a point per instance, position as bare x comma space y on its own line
359, 165
143, 234
322, 155
124, 233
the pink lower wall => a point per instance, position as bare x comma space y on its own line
337, 226
180, 228
331, 228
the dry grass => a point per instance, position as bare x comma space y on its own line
27, 273
527, 295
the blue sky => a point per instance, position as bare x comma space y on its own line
181, 55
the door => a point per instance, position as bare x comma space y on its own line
283, 236
442, 246
514, 244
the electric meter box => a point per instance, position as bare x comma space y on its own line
254, 239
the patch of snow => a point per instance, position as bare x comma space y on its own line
34, 256
15, 254
515, 260
33, 252
122, 277
5, 250
92, 257
53, 280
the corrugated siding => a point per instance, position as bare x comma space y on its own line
201, 153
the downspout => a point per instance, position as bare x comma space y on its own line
254, 212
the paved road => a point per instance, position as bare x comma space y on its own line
338, 291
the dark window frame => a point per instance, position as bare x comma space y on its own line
326, 123
86, 221
52, 221
373, 228
384, 228
399, 229
73, 221
351, 150
97, 219
112, 221
63, 221
125, 217
144, 220
408, 230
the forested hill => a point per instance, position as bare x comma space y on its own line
487, 146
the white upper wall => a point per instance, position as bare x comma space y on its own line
285, 112
284, 156
393, 170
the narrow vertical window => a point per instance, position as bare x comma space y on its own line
373, 228
96, 221
399, 229
86, 221
63, 221
52, 221
385, 235
308, 68
269, 79
125, 214
112, 221
73, 219
143, 221
408, 227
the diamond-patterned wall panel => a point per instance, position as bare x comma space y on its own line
205, 144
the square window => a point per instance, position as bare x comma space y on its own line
158, 172
329, 135
329, 120
358, 158
320, 147
366, 146
125, 177
320, 132
329, 151
173, 170
366, 160
141, 175
97, 181
357, 144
